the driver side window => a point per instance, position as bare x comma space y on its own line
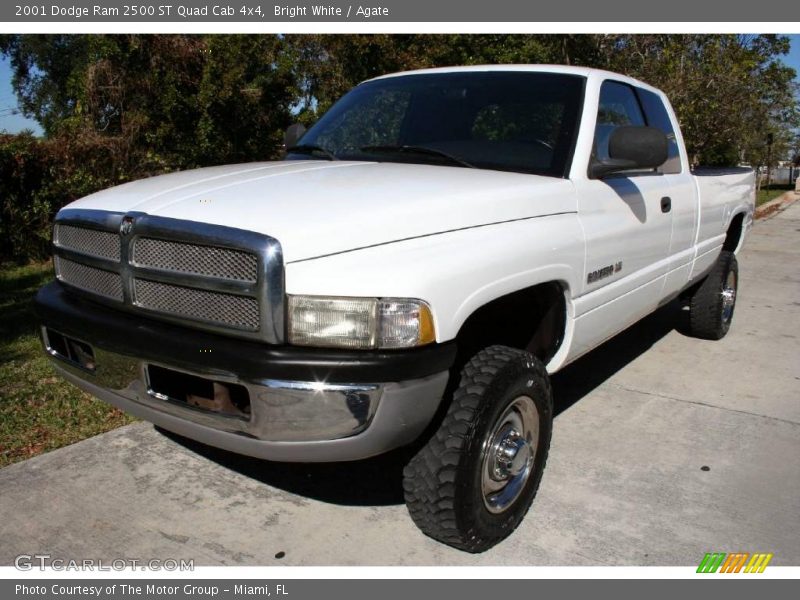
618, 107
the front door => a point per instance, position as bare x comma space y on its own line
627, 221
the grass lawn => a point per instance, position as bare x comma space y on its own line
766, 194
38, 410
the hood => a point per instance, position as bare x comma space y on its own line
316, 208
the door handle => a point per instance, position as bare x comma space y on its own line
666, 204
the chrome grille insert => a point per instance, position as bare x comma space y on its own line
215, 278
197, 305
102, 244
97, 281
181, 257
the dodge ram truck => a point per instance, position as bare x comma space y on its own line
406, 278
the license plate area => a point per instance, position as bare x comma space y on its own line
207, 395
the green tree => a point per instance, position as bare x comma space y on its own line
154, 103
728, 91
116, 108
327, 66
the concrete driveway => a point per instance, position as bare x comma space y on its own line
664, 448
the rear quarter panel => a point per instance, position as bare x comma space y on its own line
724, 194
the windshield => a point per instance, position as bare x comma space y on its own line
503, 120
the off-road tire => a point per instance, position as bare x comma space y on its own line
707, 317
442, 482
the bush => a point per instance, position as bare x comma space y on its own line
39, 176
25, 213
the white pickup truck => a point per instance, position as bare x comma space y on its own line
427, 253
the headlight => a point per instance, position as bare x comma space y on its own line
359, 323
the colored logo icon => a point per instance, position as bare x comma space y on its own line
736, 562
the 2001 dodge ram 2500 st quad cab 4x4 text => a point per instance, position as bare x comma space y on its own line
434, 246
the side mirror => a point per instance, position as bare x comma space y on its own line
631, 147
293, 134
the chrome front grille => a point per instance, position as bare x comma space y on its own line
212, 277
97, 281
102, 244
194, 258
225, 309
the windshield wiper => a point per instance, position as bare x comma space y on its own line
418, 150
311, 149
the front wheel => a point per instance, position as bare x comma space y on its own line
475, 479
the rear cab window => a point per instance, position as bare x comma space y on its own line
657, 116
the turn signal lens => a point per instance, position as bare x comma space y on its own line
404, 323
427, 331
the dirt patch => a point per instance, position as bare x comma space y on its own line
777, 205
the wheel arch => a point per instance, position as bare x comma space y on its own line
735, 233
536, 318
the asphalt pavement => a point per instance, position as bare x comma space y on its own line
664, 448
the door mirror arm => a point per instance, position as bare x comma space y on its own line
600, 168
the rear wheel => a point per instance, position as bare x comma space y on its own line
475, 479
712, 305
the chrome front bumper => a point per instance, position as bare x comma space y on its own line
293, 421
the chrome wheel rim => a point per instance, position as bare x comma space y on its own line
510, 453
728, 296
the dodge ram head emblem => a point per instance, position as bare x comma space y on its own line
126, 225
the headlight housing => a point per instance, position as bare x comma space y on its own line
359, 323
